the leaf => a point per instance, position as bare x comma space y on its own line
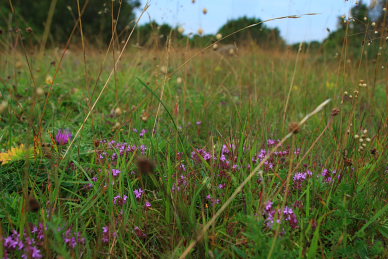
373, 219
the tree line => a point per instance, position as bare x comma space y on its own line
102, 18
364, 30
61, 16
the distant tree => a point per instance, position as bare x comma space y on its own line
312, 46
96, 19
259, 34
353, 28
153, 34
198, 41
380, 14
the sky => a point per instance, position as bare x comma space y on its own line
190, 16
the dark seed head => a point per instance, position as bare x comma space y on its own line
96, 143
33, 205
145, 165
294, 127
348, 161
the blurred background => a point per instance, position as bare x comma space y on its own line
197, 22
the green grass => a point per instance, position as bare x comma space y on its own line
239, 100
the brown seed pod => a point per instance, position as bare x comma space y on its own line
335, 112
145, 165
294, 127
33, 205
96, 143
348, 161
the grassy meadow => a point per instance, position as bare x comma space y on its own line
140, 159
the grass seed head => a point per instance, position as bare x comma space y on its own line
164, 69
39, 91
3, 106
118, 111
49, 80
294, 127
181, 30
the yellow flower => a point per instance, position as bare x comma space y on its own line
15, 153
218, 69
330, 85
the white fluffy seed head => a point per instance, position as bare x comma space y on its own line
118, 111
163, 69
39, 91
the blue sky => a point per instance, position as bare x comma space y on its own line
188, 15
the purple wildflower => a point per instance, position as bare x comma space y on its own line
107, 235
288, 214
63, 136
139, 232
138, 193
268, 206
143, 132
329, 176
182, 167
272, 142
222, 185
290, 217
299, 178
72, 239
118, 200
207, 156
36, 253
214, 201
116, 172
